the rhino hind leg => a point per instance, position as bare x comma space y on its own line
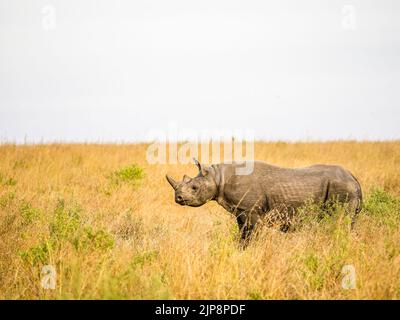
348, 195
356, 202
280, 217
353, 208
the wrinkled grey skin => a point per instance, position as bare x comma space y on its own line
268, 190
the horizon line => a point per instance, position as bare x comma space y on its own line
144, 141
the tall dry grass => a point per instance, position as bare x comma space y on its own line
113, 231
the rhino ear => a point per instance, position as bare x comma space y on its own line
202, 169
186, 179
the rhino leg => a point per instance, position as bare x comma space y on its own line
350, 195
280, 217
353, 208
355, 203
247, 222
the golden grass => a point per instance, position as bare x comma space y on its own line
60, 206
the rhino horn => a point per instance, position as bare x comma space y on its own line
172, 182
202, 170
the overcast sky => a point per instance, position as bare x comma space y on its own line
118, 70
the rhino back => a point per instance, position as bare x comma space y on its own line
270, 186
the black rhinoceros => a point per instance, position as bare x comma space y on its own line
268, 189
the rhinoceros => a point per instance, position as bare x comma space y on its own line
268, 189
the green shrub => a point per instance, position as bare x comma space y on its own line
315, 270
138, 283
66, 222
6, 199
255, 295
381, 202
37, 254
28, 213
384, 207
130, 174
7, 181
143, 258
94, 239
20, 164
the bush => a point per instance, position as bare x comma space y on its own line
384, 207
380, 202
7, 181
130, 174
37, 254
144, 257
94, 239
66, 222
28, 213
6, 199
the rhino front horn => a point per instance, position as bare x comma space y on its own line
172, 182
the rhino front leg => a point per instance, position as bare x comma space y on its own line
247, 222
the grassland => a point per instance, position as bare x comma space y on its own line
106, 220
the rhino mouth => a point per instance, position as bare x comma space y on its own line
180, 200
187, 202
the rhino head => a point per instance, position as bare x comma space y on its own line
195, 191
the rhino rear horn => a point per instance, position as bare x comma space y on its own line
172, 182
202, 170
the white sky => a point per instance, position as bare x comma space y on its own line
118, 70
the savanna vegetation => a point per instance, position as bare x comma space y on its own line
106, 221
